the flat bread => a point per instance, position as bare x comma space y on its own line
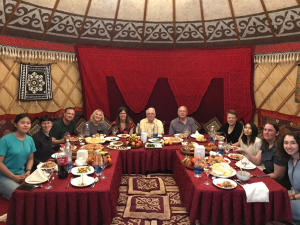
222, 169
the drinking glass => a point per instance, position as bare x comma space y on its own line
245, 162
114, 130
49, 172
150, 132
104, 164
81, 138
99, 130
227, 148
207, 169
186, 134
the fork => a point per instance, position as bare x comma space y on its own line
69, 183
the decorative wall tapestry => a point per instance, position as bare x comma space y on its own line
189, 73
35, 82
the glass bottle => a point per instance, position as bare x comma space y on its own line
86, 130
138, 130
212, 134
68, 151
155, 131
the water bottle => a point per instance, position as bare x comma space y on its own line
221, 149
138, 130
98, 163
212, 134
68, 151
86, 130
198, 164
155, 131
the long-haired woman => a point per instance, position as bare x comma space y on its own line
123, 124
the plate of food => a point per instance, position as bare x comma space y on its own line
73, 139
156, 140
94, 140
47, 165
118, 147
112, 138
116, 143
195, 135
222, 170
99, 135
174, 140
123, 135
92, 147
216, 159
224, 183
201, 139
235, 156
82, 181
180, 135
153, 145
82, 170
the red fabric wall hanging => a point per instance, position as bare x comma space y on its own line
189, 73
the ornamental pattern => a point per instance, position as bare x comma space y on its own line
147, 184
149, 204
64, 27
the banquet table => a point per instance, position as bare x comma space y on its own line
75, 205
208, 203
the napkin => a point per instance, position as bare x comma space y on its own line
250, 165
37, 176
256, 192
82, 179
3, 218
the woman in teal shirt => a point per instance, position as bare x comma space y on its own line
16, 156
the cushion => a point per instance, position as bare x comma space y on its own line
35, 127
79, 125
198, 125
213, 122
146, 186
148, 207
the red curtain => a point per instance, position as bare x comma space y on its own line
189, 73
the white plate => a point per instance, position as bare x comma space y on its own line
54, 156
231, 154
101, 135
87, 181
121, 148
250, 166
72, 140
123, 135
112, 138
75, 169
156, 140
194, 135
221, 180
227, 160
116, 143
156, 145
174, 142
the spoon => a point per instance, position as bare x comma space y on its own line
96, 180
259, 176
69, 183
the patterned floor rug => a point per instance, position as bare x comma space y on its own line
179, 216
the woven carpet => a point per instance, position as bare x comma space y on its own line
179, 216
3, 208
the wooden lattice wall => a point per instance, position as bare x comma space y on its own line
274, 87
66, 87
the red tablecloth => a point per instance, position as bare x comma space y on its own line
69, 206
209, 203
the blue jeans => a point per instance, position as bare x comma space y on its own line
7, 186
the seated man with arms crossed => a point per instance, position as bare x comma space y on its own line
183, 122
147, 124
63, 127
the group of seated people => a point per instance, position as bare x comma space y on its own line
277, 157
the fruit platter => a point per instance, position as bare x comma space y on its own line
188, 149
106, 159
133, 142
210, 147
190, 163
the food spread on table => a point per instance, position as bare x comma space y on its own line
92, 146
98, 135
116, 143
94, 140
73, 138
201, 139
133, 141
210, 147
216, 159
236, 156
83, 169
118, 147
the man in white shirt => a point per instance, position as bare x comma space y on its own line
147, 124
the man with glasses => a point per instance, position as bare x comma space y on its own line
147, 124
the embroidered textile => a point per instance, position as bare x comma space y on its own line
35, 82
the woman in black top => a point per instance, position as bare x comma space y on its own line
43, 141
232, 130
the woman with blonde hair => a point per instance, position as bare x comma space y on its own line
97, 123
